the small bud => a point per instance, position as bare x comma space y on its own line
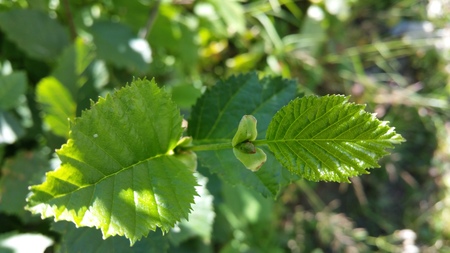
246, 147
252, 161
246, 130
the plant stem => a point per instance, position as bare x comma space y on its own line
73, 32
215, 146
218, 146
260, 142
143, 33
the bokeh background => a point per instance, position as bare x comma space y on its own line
393, 55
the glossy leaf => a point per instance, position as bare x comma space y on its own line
212, 122
329, 139
118, 160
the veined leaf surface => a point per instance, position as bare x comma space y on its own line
117, 171
327, 138
215, 119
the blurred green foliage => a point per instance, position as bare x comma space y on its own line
392, 55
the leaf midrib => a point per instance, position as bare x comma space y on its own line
253, 112
106, 176
221, 112
323, 140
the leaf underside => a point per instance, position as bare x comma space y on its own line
329, 139
216, 116
117, 173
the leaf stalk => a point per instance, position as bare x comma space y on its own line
214, 146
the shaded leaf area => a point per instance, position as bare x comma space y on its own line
10, 128
118, 45
268, 180
18, 172
173, 36
74, 67
90, 240
327, 138
34, 32
117, 161
12, 87
216, 116
70, 87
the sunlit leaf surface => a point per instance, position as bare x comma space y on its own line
118, 172
216, 116
327, 138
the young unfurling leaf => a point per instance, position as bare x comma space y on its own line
252, 161
246, 130
243, 148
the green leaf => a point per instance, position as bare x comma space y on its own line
17, 174
118, 160
58, 105
185, 95
72, 66
327, 138
268, 180
117, 44
11, 88
81, 73
215, 119
34, 32
75, 239
175, 35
